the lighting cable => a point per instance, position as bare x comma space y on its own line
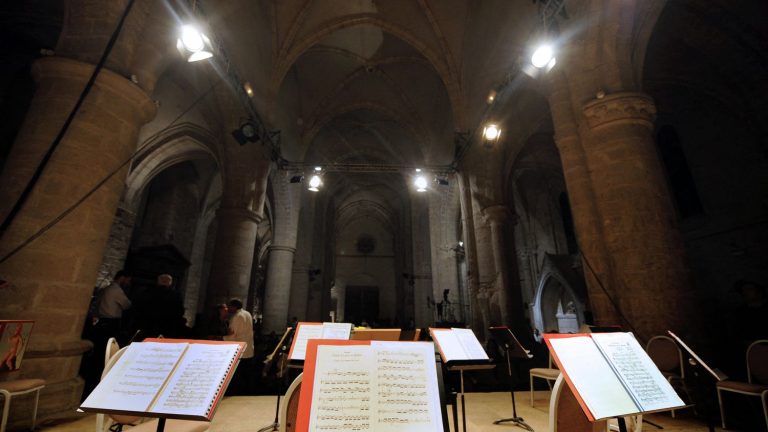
98, 185
65, 127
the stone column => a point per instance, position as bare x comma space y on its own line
589, 230
230, 273
53, 276
638, 219
278, 291
496, 217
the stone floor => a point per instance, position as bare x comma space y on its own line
250, 413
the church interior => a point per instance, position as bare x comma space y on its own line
390, 163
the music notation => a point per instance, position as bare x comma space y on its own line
378, 387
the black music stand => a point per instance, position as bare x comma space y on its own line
704, 378
512, 349
277, 356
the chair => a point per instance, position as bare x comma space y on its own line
112, 348
8, 389
757, 378
666, 355
549, 373
290, 407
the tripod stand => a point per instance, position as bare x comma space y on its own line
280, 352
512, 347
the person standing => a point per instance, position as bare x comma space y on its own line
241, 330
112, 302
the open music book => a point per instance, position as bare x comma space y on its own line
457, 344
611, 375
369, 386
167, 378
308, 330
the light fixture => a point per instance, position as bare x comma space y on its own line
442, 181
297, 178
491, 97
246, 133
420, 182
315, 182
193, 44
543, 57
491, 134
248, 89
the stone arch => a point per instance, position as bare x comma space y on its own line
177, 144
553, 294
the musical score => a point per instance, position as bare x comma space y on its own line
379, 387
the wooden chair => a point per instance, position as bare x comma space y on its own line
9, 389
289, 408
757, 378
549, 373
666, 355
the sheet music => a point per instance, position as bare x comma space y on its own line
471, 345
336, 330
408, 395
587, 369
382, 387
449, 345
136, 378
304, 333
197, 380
342, 394
645, 383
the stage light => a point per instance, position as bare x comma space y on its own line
314, 183
193, 44
420, 182
246, 133
297, 179
248, 89
491, 135
441, 181
543, 57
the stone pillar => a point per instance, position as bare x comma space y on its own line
589, 230
117, 245
230, 273
637, 215
496, 217
278, 291
53, 276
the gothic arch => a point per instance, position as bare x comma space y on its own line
553, 289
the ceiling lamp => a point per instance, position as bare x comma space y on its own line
193, 45
491, 134
246, 133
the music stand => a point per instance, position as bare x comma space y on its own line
512, 349
705, 378
280, 352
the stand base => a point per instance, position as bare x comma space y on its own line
518, 421
273, 427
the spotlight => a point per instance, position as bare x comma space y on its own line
248, 89
441, 181
491, 134
314, 183
246, 133
297, 179
543, 57
193, 44
421, 183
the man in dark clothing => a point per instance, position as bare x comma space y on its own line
160, 310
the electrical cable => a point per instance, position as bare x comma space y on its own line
65, 127
98, 185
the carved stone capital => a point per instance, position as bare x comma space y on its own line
620, 107
239, 212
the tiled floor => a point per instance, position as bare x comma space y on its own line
250, 413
